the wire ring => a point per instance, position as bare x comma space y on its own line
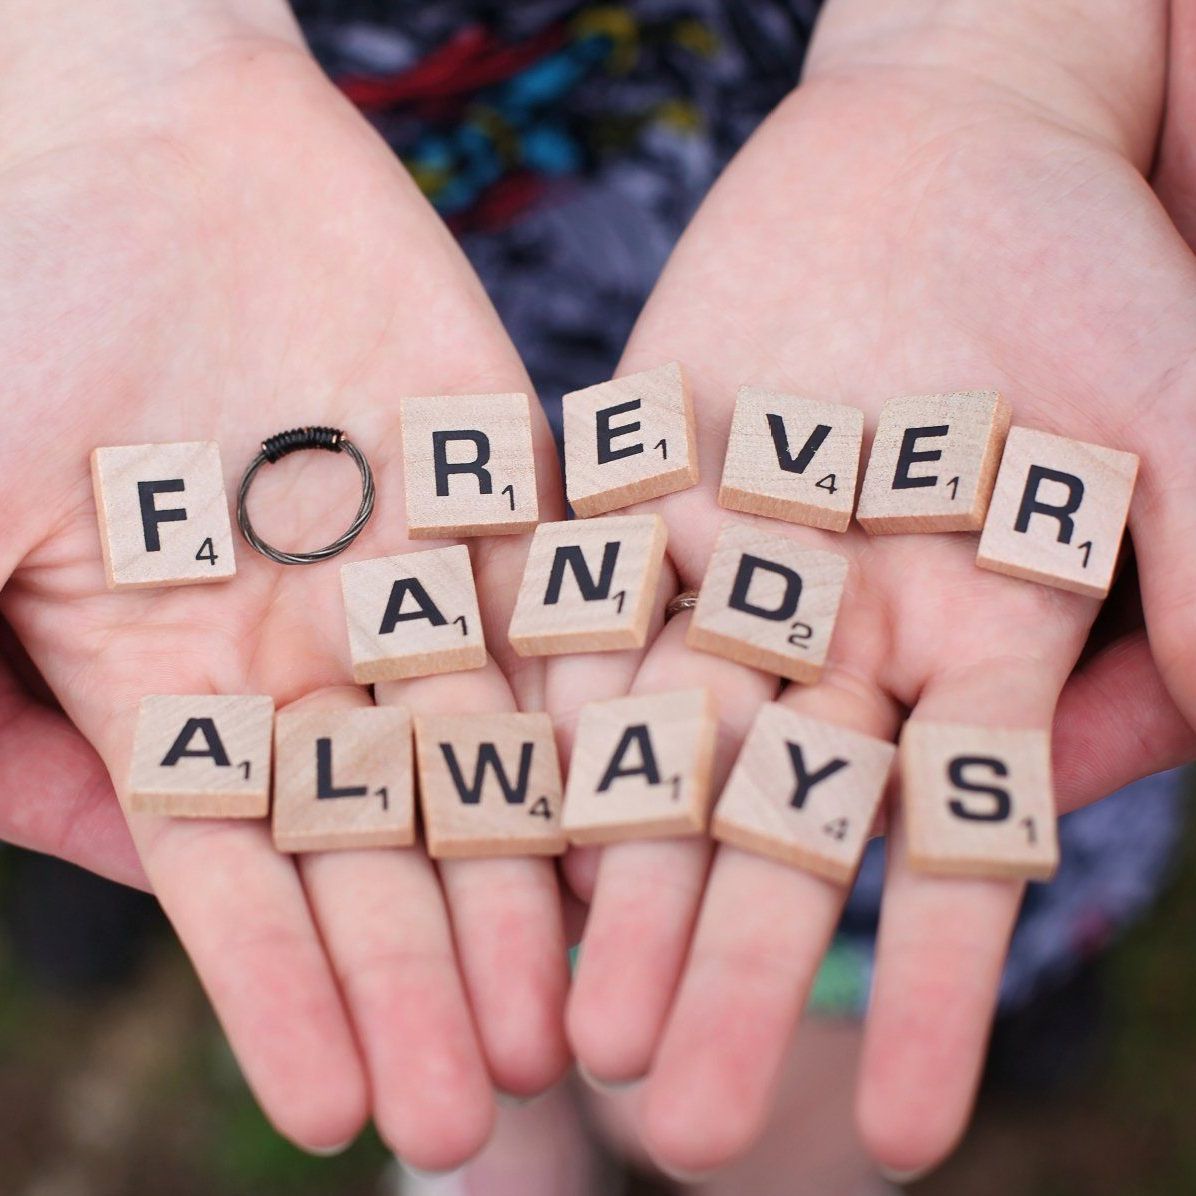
684, 601
293, 441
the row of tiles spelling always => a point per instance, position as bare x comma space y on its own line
977, 801
1050, 509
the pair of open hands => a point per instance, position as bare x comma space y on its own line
228, 249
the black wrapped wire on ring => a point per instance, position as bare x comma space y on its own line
297, 440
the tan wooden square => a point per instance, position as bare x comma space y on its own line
933, 463
490, 785
641, 768
343, 779
978, 801
792, 458
202, 756
1058, 513
163, 515
469, 468
413, 615
629, 440
804, 792
769, 603
589, 585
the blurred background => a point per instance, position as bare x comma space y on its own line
115, 1079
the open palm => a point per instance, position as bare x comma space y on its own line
246, 258
894, 231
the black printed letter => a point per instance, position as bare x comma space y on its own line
780, 441
636, 735
324, 785
425, 608
443, 467
1003, 806
748, 565
488, 758
151, 516
606, 433
909, 455
572, 556
192, 727
1032, 505
807, 780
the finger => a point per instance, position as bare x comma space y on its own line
1163, 520
942, 942
239, 909
507, 920
56, 795
382, 917
575, 680
499, 562
763, 930
1116, 722
647, 893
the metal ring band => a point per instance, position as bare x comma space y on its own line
296, 440
684, 601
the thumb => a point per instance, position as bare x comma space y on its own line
55, 793
1163, 524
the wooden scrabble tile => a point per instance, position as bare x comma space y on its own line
768, 602
641, 768
343, 778
412, 615
589, 585
1058, 512
469, 468
163, 515
629, 440
804, 792
792, 458
202, 756
490, 785
933, 462
978, 801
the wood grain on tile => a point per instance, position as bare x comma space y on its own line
629, 440
413, 615
343, 779
163, 515
792, 458
202, 756
768, 602
641, 767
490, 785
589, 585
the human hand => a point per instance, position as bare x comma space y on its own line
200, 239
952, 200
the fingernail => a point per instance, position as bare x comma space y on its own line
905, 1177
684, 1177
326, 1152
606, 1087
428, 1176
508, 1100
